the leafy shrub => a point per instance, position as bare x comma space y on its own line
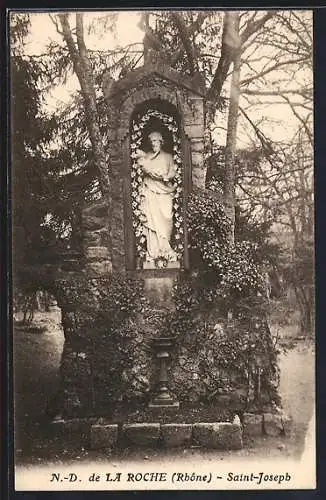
102, 331
213, 356
227, 277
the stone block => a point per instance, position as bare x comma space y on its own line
142, 434
199, 176
193, 95
227, 436
198, 82
97, 209
197, 159
123, 131
92, 238
96, 269
103, 436
73, 430
194, 130
272, 424
286, 423
202, 433
197, 145
96, 238
252, 424
93, 223
96, 253
176, 434
221, 435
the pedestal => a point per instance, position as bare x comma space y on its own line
162, 397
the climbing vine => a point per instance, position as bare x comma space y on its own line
222, 355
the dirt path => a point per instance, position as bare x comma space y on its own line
37, 359
297, 387
36, 365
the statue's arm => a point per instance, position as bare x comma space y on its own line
172, 169
141, 155
144, 163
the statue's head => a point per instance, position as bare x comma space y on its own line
156, 140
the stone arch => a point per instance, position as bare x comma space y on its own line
155, 92
187, 104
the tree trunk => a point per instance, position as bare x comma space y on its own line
83, 70
305, 300
229, 179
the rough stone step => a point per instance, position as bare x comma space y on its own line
142, 434
176, 434
221, 435
276, 424
252, 424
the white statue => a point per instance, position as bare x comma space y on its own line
157, 193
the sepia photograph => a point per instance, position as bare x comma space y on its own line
163, 288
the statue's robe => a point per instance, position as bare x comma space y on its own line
157, 204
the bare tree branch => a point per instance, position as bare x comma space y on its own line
231, 43
301, 120
185, 39
273, 68
195, 27
276, 93
56, 24
254, 26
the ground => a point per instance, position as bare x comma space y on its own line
36, 361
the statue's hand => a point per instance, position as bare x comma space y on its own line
140, 153
141, 157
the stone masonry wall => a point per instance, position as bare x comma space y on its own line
96, 239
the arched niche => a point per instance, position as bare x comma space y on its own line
168, 92
161, 116
159, 92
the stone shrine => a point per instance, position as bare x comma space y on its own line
155, 137
159, 355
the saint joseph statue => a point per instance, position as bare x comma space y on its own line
157, 193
